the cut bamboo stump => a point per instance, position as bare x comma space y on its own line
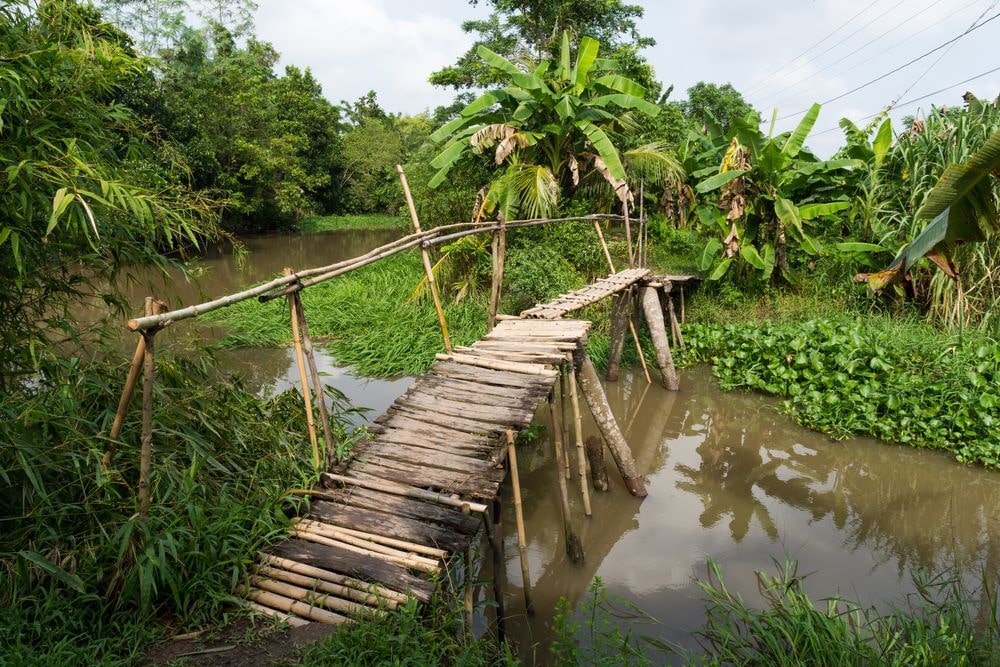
590, 383
657, 331
598, 471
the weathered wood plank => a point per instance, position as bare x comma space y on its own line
487, 376
359, 566
447, 518
448, 481
387, 523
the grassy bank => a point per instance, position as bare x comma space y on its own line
332, 223
83, 578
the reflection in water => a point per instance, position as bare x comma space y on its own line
730, 478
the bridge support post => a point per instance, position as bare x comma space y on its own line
590, 383
496, 543
619, 325
574, 548
657, 331
499, 252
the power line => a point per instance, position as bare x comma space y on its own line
946, 51
831, 48
897, 69
858, 50
874, 55
835, 31
914, 100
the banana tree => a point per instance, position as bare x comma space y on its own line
547, 128
766, 189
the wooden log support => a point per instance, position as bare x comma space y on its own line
499, 252
598, 471
619, 326
425, 255
564, 419
674, 324
522, 541
319, 394
590, 383
574, 548
300, 361
578, 439
657, 331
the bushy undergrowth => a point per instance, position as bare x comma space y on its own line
83, 576
945, 624
412, 635
897, 383
329, 223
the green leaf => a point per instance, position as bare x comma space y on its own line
752, 257
811, 245
585, 56
4, 233
621, 84
627, 102
717, 181
449, 155
857, 246
799, 134
604, 147
810, 211
720, 269
708, 254
496, 61
60, 202
564, 71
53, 570
788, 213
882, 142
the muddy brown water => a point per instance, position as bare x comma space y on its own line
729, 478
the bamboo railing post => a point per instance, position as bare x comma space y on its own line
574, 548
578, 432
522, 542
590, 383
657, 331
428, 269
631, 325
307, 348
128, 391
301, 363
628, 234
499, 251
146, 439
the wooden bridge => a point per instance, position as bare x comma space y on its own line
386, 526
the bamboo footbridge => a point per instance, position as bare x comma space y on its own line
388, 525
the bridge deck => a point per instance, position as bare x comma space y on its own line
586, 296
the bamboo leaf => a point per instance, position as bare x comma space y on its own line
53, 570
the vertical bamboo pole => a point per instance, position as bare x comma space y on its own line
574, 548
628, 234
657, 331
578, 429
499, 252
564, 428
631, 325
642, 224
469, 593
522, 542
674, 324
301, 363
498, 566
146, 440
638, 346
128, 391
307, 348
683, 313
426, 259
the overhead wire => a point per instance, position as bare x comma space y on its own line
914, 100
843, 25
873, 56
831, 48
969, 30
913, 16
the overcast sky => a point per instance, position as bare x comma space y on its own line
391, 46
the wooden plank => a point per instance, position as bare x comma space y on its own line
485, 395
402, 437
448, 481
487, 376
549, 359
446, 421
388, 523
423, 456
397, 422
447, 518
495, 414
359, 566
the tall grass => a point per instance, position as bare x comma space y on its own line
329, 223
83, 577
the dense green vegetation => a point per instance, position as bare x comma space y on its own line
130, 137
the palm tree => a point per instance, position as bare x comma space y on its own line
548, 127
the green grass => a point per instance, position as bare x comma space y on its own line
330, 223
